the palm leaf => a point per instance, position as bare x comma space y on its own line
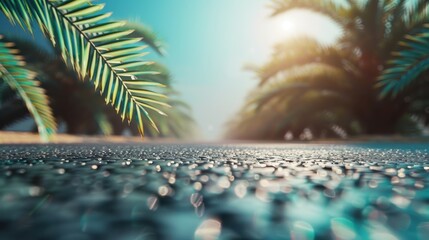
148, 36
93, 47
103, 123
177, 122
310, 77
331, 8
23, 82
415, 12
297, 52
162, 76
406, 64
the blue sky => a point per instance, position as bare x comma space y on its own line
210, 41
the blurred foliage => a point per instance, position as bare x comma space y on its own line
309, 90
83, 112
105, 54
98, 50
15, 77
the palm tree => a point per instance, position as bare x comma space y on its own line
22, 80
83, 112
97, 50
331, 90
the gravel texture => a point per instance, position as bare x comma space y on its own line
289, 191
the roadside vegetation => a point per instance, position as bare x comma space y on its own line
372, 81
118, 85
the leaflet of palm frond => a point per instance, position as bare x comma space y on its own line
297, 52
152, 133
176, 103
176, 124
60, 83
148, 36
22, 80
418, 89
172, 92
32, 51
407, 64
415, 12
183, 122
94, 48
103, 123
161, 76
83, 110
310, 77
332, 8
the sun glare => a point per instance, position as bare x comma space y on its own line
302, 22
287, 26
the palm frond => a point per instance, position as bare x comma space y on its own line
148, 36
293, 96
163, 76
297, 52
23, 82
331, 8
103, 123
311, 77
315, 110
95, 49
406, 64
174, 121
315, 96
415, 12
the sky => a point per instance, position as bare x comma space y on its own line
209, 42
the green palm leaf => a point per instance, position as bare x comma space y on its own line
148, 36
406, 64
103, 123
415, 12
22, 81
177, 122
94, 48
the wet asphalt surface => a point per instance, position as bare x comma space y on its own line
289, 191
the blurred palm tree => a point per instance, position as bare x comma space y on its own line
83, 112
96, 49
18, 85
310, 90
